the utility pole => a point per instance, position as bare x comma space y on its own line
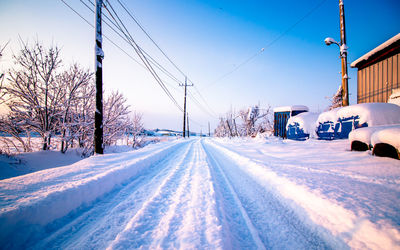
343, 55
184, 107
187, 121
99, 55
209, 132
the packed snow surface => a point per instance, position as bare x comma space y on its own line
209, 194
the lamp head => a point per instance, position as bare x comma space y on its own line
329, 41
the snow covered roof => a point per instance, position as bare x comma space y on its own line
291, 108
372, 113
376, 50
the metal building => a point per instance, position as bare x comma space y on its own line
282, 115
378, 72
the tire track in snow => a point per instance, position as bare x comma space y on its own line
200, 227
277, 225
138, 231
97, 225
242, 234
336, 225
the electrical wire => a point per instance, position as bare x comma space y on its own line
159, 48
154, 62
268, 45
151, 39
139, 52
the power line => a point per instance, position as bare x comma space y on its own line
154, 62
168, 58
268, 45
91, 25
151, 39
139, 52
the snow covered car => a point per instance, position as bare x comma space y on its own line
366, 115
338, 123
360, 139
326, 125
302, 126
386, 142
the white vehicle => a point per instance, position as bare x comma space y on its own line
383, 140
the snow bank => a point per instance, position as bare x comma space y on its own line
39, 198
389, 135
364, 134
373, 114
306, 121
343, 224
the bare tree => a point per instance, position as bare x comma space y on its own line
337, 99
10, 126
32, 90
2, 76
222, 130
136, 129
115, 120
253, 120
72, 81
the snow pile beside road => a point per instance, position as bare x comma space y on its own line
343, 224
42, 197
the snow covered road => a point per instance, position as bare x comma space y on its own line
202, 194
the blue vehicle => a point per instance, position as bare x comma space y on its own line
338, 123
302, 126
327, 126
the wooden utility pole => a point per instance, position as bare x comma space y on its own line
343, 56
184, 107
99, 55
187, 121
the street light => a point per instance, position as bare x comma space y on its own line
343, 55
329, 41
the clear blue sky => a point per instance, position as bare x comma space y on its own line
207, 39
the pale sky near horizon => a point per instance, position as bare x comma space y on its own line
206, 40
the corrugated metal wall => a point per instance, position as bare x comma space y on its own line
375, 82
